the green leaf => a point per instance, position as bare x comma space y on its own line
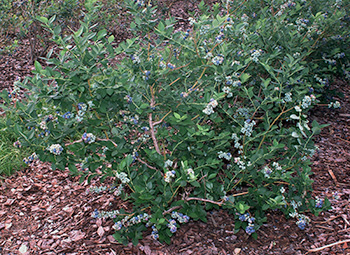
57, 30
244, 77
195, 184
101, 34
161, 26
37, 66
111, 39
177, 116
110, 91
52, 19
43, 19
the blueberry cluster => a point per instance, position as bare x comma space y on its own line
219, 38
98, 189
318, 202
240, 163
284, 6
104, 214
123, 177
246, 217
68, 115
209, 109
135, 59
55, 149
82, 107
172, 226
248, 127
267, 171
180, 217
171, 66
154, 234
30, 159
255, 54
134, 155
140, 3
169, 175
88, 138
147, 74
17, 144
334, 105
303, 220
225, 155
128, 99
237, 145
186, 34
129, 221
190, 174
227, 91
307, 100
218, 60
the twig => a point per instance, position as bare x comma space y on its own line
319, 226
333, 176
98, 139
327, 246
342, 139
151, 123
143, 162
107, 140
204, 200
172, 209
160, 121
240, 194
345, 219
153, 135
78, 141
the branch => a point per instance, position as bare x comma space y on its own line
204, 200
160, 121
97, 139
172, 209
143, 162
107, 140
153, 134
78, 141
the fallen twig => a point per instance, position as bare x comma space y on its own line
327, 246
333, 176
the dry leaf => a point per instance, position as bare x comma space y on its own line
67, 209
99, 222
23, 249
111, 239
9, 201
8, 225
77, 235
147, 250
100, 231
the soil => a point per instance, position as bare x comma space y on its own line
45, 211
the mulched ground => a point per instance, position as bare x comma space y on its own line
48, 212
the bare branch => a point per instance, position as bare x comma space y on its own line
143, 162
204, 200
153, 134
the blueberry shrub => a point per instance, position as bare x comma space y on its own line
189, 120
